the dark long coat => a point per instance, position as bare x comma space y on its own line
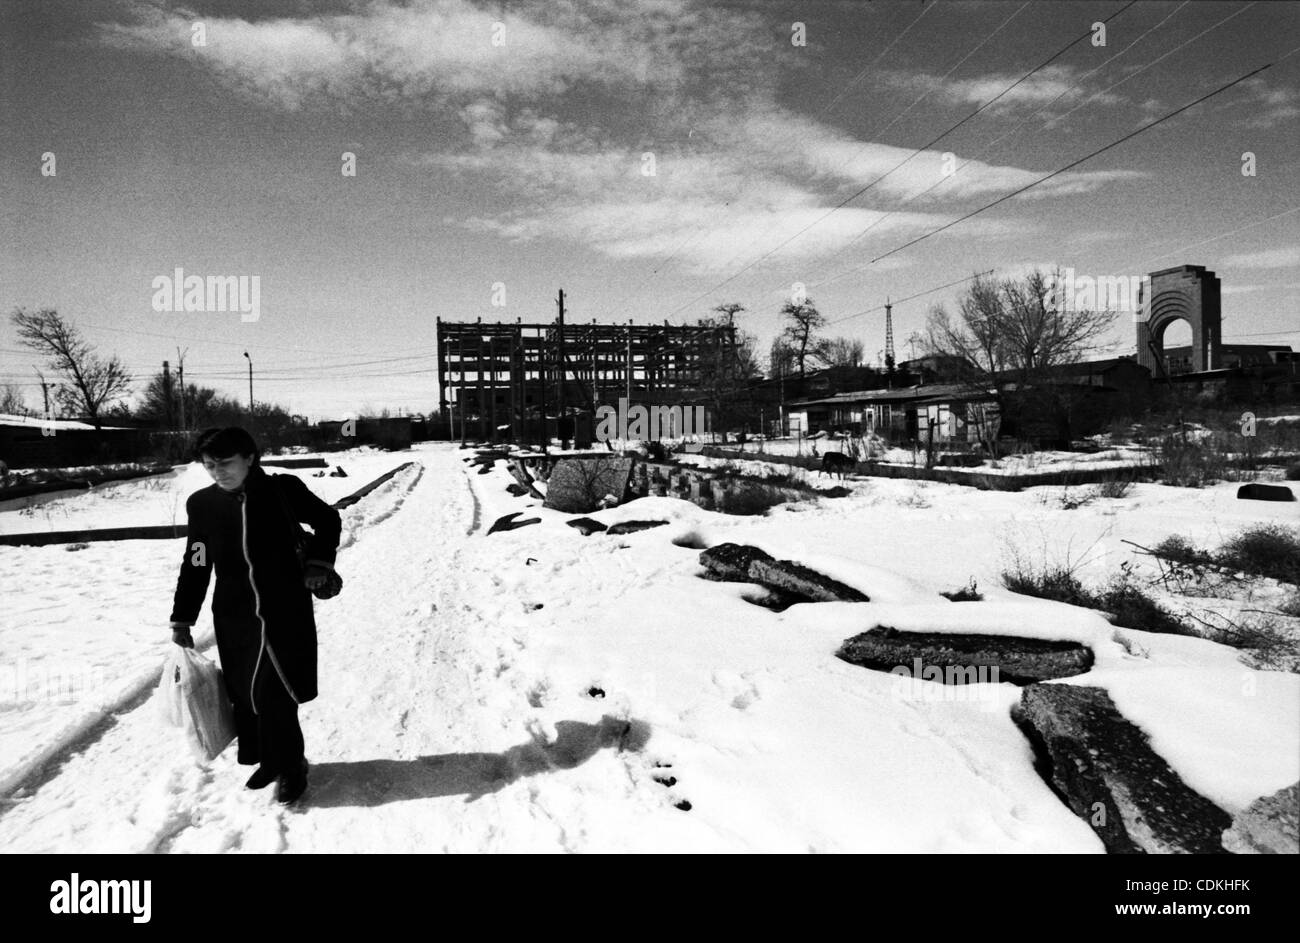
249, 539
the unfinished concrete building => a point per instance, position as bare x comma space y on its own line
498, 380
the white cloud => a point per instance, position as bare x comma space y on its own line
796, 143
1040, 89
544, 120
430, 51
1269, 104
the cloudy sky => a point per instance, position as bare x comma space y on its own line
653, 159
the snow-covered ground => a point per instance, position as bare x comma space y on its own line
535, 690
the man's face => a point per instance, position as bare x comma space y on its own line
228, 473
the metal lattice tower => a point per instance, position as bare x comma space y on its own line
889, 336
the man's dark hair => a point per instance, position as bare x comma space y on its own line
223, 443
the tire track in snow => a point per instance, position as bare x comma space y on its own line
478, 510
362, 516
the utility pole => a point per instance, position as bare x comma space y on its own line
564, 440
460, 384
250, 383
180, 381
542, 348
167, 392
514, 403
782, 412
45, 391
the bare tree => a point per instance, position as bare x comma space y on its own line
159, 401
800, 332
747, 367
780, 358
726, 367
840, 352
92, 382
1012, 335
745, 364
729, 310
12, 402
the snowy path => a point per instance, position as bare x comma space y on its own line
407, 731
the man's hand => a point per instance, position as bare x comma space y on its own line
314, 575
181, 636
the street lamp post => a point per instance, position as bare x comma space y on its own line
250, 382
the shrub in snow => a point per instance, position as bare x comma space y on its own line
1188, 463
1181, 550
1114, 488
1128, 604
1271, 550
1134, 609
1070, 501
1266, 640
755, 497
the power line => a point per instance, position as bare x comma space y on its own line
1076, 163
962, 61
691, 239
1230, 232
870, 65
786, 242
857, 193
213, 368
204, 340
988, 147
895, 304
891, 123
1059, 118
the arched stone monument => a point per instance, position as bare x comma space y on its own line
1188, 293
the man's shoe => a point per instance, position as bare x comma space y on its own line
261, 778
292, 785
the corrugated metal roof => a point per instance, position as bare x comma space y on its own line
930, 392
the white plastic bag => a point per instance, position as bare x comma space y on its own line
192, 696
